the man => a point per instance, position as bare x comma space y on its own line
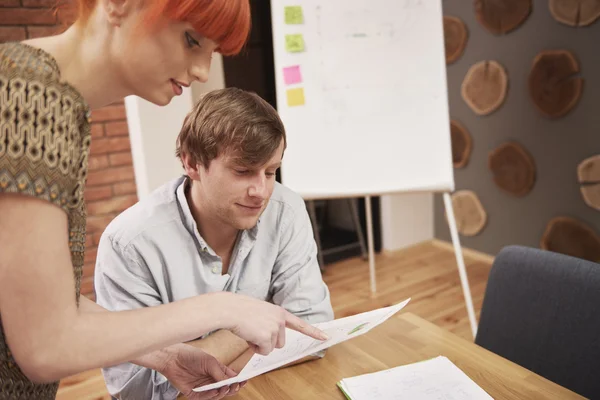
226, 225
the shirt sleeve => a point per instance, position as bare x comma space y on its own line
297, 284
123, 282
43, 142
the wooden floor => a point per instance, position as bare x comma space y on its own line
427, 273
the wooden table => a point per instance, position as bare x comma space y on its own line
403, 339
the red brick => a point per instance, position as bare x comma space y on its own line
117, 129
125, 188
97, 193
96, 238
39, 3
27, 16
98, 162
110, 175
90, 255
89, 241
109, 113
113, 205
12, 34
87, 286
9, 3
123, 158
97, 224
110, 145
88, 269
41, 31
97, 130
67, 15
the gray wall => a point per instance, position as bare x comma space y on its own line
556, 145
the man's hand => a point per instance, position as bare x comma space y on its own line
190, 367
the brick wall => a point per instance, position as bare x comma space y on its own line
111, 185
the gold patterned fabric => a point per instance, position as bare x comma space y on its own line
44, 147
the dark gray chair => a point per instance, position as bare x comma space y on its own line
541, 310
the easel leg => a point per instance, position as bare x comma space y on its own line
370, 244
315, 225
461, 262
356, 220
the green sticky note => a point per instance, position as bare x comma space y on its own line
293, 15
295, 97
294, 43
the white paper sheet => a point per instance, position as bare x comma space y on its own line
298, 345
435, 379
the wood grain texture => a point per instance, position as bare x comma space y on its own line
588, 176
469, 213
502, 16
455, 38
554, 86
513, 168
575, 12
484, 87
572, 237
426, 272
462, 144
403, 339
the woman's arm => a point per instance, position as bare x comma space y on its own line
51, 338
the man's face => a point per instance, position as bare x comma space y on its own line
236, 194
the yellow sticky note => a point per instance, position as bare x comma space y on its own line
293, 15
294, 43
295, 97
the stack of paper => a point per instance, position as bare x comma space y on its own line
298, 345
435, 379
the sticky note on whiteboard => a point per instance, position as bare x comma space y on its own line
292, 75
294, 43
295, 97
293, 15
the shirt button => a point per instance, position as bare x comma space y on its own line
215, 269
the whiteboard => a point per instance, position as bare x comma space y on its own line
367, 112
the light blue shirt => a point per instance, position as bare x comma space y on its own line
152, 254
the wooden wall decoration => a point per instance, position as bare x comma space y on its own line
484, 87
553, 85
569, 236
469, 213
588, 176
462, 144
575, 12
513, 168
455, 38
502, 16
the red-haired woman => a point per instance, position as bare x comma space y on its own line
148, 48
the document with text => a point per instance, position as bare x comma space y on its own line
298, 346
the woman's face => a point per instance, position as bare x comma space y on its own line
156, 64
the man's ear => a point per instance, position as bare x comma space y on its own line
117, 10
190, 166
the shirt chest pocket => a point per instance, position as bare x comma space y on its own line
257, 288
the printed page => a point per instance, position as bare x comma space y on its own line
298, 346
435, 379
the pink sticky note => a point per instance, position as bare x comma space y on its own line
292, 75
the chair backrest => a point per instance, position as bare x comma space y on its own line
541, 310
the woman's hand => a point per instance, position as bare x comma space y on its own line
190, 367
262, 324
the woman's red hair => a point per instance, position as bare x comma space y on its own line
226, 22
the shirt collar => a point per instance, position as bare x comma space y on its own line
190, 223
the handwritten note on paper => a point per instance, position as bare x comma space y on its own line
298, 345
294, 43
434, 379
292, 75
293, 15
295, 97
